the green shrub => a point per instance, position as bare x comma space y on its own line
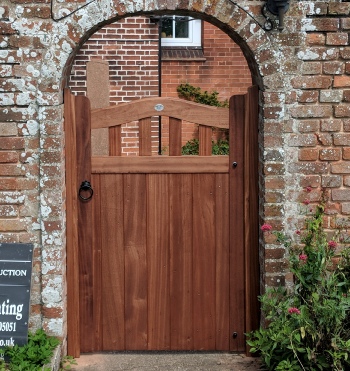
32, 356
191, 147
308, 326
221, 147
195, 94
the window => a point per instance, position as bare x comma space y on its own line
181, 31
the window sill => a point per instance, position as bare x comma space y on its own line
182, 53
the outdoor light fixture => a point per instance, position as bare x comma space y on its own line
275, 7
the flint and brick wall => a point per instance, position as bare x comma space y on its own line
315, 128
304, 130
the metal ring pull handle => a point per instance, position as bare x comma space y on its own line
85, 187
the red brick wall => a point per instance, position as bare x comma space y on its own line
131, 48
225, 69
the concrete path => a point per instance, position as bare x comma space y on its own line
165, 361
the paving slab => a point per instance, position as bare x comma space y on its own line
165, 361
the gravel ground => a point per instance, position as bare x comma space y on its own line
147, 361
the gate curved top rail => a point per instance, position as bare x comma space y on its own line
172, 107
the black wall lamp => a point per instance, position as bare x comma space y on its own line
275, 7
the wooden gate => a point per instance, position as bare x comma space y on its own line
164, 256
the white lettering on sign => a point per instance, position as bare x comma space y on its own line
8, 326
7, 309
13, 272
7, 342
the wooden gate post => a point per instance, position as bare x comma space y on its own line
73, 341
251, 209
78, 169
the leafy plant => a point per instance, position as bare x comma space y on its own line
32, 356
67, 362
195, 94
221, 147
308, 326
191, 147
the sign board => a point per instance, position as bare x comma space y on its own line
15, 277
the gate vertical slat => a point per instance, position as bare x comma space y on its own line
181, 261
204, 261
96, 259
237, 263
73, 342
158, 261
135, 237
112, 231
115, 140
205, 133
222, 239
145, 137
175, 136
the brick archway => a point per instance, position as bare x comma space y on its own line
246, 23
58, 41
251, 38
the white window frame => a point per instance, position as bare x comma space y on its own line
194, 39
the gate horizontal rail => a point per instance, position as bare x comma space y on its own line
160, 164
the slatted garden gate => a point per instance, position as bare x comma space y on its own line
164, 256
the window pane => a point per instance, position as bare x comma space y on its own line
167, 27
181, 31
181, 27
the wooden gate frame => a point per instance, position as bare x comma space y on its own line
243, 151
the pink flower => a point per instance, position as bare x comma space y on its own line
332, 244
298, 232
308, 189
303, 257
293, 310
306, 202
266, 227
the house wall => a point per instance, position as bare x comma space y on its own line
131, 48
304, 130
225, 68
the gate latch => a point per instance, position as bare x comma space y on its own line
85, 191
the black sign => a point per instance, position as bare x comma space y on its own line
15, 277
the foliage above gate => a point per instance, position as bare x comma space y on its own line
195, 94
